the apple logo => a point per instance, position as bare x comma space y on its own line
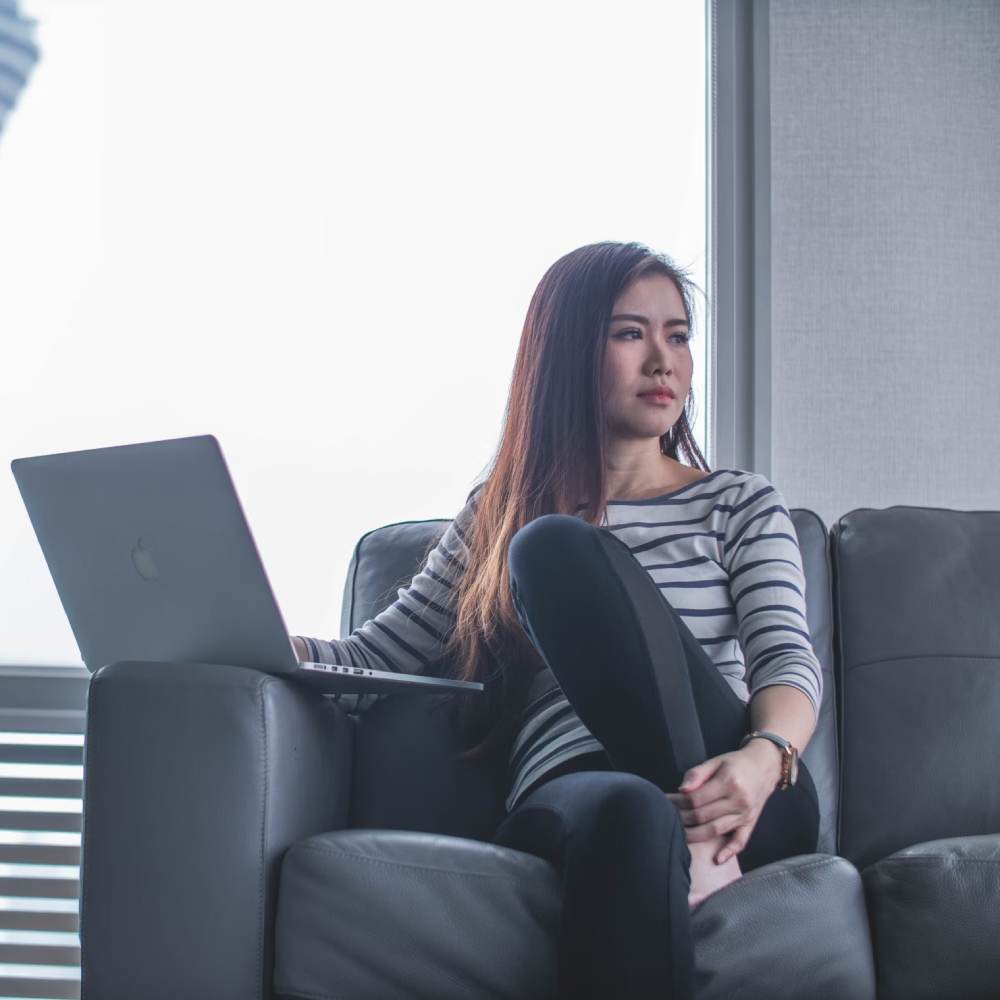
142, 559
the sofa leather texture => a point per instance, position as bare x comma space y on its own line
490, 923
935, 916
394, 915
796, 921
197, 778
917, 591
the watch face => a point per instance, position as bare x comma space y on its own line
795, 769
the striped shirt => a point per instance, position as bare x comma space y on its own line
722, 550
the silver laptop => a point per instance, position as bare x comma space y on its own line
153, 559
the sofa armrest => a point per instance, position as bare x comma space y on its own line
197, 777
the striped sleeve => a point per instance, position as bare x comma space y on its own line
767, 586
408, 635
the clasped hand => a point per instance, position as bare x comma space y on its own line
724, 794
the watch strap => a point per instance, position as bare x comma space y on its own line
788, 754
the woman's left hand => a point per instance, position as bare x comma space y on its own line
726, 794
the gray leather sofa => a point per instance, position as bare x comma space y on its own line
243, 837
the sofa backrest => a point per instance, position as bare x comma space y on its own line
917, 604
821, 755
405, 775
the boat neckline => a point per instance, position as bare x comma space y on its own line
665, 496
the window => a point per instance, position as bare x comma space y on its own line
313, 230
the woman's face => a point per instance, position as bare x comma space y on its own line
647, 347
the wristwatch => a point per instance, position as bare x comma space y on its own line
789, 756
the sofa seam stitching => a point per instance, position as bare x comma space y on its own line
934, 859
261, 916
403, 864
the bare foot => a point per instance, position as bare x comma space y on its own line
706, 876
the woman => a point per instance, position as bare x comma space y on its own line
621, 608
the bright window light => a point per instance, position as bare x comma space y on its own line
313, 230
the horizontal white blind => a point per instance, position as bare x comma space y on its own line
41, 779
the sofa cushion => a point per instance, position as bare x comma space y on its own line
378, 915
383, 914
786, 930
916, 597
935, 920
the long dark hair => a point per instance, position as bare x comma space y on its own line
552, 454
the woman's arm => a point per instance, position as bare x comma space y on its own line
760, 551
408, 635
784, 710
725, 796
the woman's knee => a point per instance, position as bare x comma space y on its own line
535, 542
614, 802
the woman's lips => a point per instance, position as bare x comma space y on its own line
660, 398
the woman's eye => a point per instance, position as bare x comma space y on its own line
685, 337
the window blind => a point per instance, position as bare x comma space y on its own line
41, 778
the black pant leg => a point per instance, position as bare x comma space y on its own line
631, 669
620, 848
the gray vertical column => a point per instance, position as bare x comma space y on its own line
739, 235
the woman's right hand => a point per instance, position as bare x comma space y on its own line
300, 649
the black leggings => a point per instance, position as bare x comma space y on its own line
644, 687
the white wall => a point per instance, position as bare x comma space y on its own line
313, 229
